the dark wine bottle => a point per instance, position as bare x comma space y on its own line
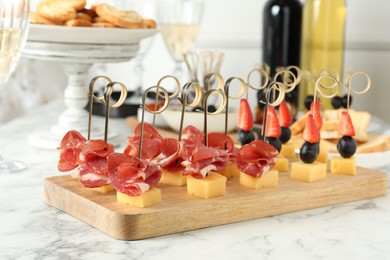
282, 21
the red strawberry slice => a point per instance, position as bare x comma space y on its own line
273, 128
284, 115
346, 125
315, 109
245, 118
311, 133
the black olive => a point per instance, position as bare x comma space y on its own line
337, 102
345, 101
346, 146
275, 142
285, 134
291, 97
211, 108
309, 152
245, 137
308, 100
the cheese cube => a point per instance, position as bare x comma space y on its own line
213, 185
323, 155
146, 199
288, 150
342, 166
266, 180
175, 179
308, 172
281, 164
103, 189
230, 171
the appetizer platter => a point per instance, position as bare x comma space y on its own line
163, 184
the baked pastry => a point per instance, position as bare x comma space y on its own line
124, 19
78, 23
56, 11
39, 19
103, 25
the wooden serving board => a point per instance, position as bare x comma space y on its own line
180, 211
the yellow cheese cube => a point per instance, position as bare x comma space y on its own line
281, 164
146, 199
213, 185
103, 189
230, 171
308, 172
266, 180
342, 166
323, 155
288, 150
175, 179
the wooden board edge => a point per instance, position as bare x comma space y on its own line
141, 226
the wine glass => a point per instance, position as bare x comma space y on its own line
14, 18
179, 22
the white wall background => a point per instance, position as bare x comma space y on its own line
234, 27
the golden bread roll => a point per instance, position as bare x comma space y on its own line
124, 19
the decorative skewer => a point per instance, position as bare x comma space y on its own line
237, 96
347, 144
219, 110
144, 107
172, 96
106, 100
184, 101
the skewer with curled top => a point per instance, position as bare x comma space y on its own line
333, 76
346, 145
241, 93
172, 96
326, 86
106, 100
184, 101
218, 110
155, 111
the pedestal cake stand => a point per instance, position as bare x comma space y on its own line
77, 49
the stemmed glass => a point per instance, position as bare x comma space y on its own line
179, 22
14, 18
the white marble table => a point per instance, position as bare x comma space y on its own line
30, 229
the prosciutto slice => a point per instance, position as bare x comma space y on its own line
220, 141
93, 163
256, 158
151, 143
171, 155
132, 176
205, 159
70, 149
190, 136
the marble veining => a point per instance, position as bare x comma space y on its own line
30, 229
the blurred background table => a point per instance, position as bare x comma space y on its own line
30, 229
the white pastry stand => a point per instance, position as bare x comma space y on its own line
77, 58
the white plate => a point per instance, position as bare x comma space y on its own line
215, 123
90, 35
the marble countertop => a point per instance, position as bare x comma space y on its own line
30, 229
